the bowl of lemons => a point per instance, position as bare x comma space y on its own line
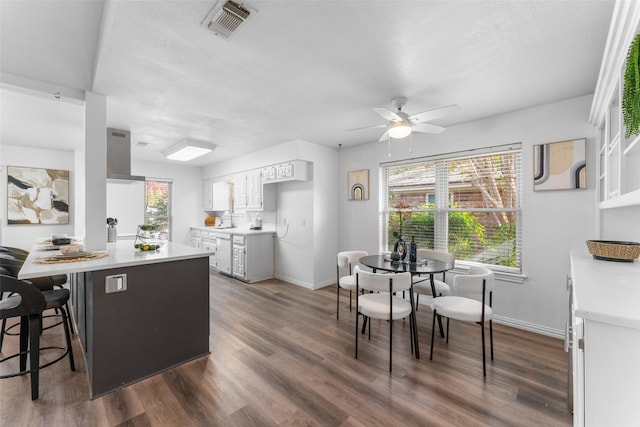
148, 246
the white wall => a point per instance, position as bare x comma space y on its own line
621, 224
553, 221
126, 202
25, 236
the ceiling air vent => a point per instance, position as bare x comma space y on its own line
226, 17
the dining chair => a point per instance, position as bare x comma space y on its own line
422, 285
382, 303
345, 279
471, 301
28, 303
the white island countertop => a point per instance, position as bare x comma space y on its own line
120, 254
606, 291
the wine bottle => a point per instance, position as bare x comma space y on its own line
413, 250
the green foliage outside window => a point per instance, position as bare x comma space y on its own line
157, 206
468, 237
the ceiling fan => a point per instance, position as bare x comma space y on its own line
401, 125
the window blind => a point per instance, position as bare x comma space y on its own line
468, 204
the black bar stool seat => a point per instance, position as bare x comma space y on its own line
28, 302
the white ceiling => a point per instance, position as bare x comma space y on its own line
297, 69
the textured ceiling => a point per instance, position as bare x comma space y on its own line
297, 69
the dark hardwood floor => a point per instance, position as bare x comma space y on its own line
280, 357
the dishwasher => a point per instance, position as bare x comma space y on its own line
223, 253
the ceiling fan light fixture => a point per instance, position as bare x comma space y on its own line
399, 130
187, 150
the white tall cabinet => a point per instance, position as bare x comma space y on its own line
606, 341
605, 318
618, 161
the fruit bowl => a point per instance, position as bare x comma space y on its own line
147, 246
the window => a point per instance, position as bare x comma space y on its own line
468, 204
158, 206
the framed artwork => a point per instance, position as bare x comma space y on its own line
559, 165
37, 196
358, 182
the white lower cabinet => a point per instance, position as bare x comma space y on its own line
606, 342
253, 257
209, 244
238, 257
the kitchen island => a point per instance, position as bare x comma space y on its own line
137, 313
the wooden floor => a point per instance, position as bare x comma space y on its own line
280, 357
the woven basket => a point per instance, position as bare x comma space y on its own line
613, 250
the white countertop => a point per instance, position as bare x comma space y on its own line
121, 254
244, 231
606, 291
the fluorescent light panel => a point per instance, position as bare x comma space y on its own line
187, 150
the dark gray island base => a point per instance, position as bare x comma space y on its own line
160, 321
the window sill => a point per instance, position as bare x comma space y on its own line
504, 276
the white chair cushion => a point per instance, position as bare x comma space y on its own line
461, 308
377, 306
424, 287
348, 282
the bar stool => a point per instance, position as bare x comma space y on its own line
28, 303
11, 261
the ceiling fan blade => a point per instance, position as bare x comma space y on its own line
384, 136
368, 127
429, 115
387, 114
427, 128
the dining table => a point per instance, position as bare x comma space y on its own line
423, 266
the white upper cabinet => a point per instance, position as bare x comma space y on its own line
207, 195
618, 160
240, 192
254, 190
215, 195
296, 170
220, 197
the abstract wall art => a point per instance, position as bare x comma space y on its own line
358, 182
559, 165
37, 196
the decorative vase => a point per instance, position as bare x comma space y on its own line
112, 234
399, 250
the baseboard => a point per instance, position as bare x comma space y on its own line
514, 323
531, 327
305, 285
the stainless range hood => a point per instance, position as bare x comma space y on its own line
119, 157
